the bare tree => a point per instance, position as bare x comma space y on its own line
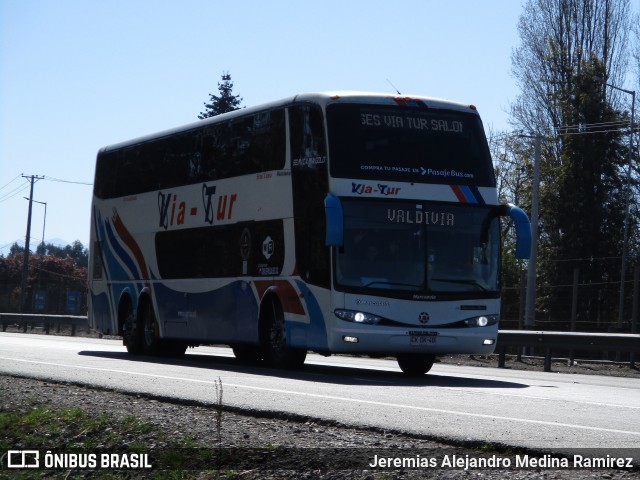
568, 51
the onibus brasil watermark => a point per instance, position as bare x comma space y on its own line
51, 460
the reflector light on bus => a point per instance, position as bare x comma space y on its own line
350, 339
488, 341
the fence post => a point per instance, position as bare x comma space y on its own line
547, 359
574, 308
523, 293
634, 310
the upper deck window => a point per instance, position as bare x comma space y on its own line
408, 144
240, 146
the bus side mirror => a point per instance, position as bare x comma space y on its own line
334, 221
523, 230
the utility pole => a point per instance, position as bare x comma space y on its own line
25, 266
530, 303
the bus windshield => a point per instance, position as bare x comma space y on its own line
425, 248
408, 144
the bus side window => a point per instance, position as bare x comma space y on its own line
310, 186
307, 134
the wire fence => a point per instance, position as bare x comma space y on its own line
586, 302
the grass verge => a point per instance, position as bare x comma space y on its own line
44, 428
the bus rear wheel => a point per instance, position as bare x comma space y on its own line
152, 344
276, 351
149, 327
415, 365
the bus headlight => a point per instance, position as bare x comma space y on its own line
482, 321
357, 317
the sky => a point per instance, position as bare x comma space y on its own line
77, 75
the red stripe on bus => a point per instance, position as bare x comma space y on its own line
286, 292
127, 238
459, 193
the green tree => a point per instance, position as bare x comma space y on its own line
225, 102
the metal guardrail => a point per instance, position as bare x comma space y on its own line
581, 341
549, 341
25, 320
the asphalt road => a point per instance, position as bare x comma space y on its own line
549, 411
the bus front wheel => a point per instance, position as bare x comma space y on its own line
414, 364
277, 352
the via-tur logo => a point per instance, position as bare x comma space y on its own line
364, 189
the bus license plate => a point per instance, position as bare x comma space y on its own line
422, 340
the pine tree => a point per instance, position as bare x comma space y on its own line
223, 103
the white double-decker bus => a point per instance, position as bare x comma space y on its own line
337, 223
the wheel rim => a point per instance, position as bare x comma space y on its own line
277, 337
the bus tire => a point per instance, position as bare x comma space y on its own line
415, 364
276, 352
131, 333
151, 342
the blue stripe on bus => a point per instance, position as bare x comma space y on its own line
113, 269
471, 194
468, 194
121, 252
317, 329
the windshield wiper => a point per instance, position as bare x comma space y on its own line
462, 282
385, 282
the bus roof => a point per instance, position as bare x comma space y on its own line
321, 98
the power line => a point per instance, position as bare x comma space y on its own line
614, 126
21, 188
14, 192
66, 181
5, 186
589, 133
